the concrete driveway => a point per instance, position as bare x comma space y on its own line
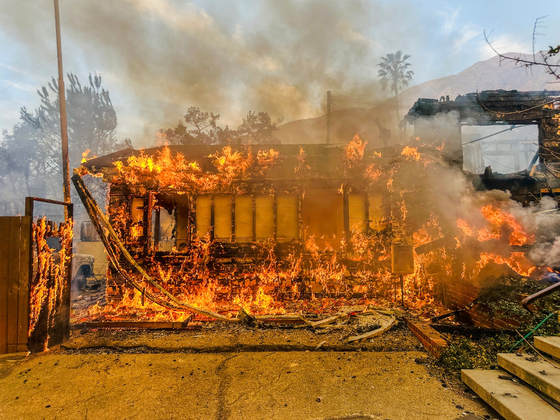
245, 385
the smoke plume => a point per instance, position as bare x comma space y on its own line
162, 56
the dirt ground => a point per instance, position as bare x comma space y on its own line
223, 373
212, 337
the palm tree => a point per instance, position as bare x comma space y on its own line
394, 71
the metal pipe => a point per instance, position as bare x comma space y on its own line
541, 293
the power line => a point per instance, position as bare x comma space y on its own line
501, 164
28, 74
513, 127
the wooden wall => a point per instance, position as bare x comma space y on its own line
15, 238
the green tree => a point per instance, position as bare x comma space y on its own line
259, 128
22, 171
178, 135
31, 157
92, 120
394, 71
202, 128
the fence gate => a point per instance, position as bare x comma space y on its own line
15, 266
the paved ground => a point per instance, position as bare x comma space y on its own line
245, 385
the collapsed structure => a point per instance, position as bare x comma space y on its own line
269, 228
435, 119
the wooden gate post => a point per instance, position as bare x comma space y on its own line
49, 332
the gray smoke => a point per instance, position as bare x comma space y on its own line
546, 251
276, 56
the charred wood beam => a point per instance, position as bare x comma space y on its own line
140, 325
254, 210
46, 200
275, 217
388, 324
458, 311
157, 232
449, 242
151, 199
232, 211
431, 246
346, 213
212, 219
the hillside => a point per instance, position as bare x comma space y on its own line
484, 75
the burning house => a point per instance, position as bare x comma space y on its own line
306, 228
259, 226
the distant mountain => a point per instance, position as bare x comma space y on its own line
485, 75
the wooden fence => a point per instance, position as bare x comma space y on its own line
15, 266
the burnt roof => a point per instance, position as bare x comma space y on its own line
489, 107
200, 153
323, 153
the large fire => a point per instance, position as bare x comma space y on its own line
321, 273
50, 274
498, 218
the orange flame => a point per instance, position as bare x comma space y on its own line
84, 155
50, 276
354, 150
411, 153
464, 226
498, 217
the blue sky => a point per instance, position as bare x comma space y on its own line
158, 57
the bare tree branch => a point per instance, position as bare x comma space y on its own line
552, 69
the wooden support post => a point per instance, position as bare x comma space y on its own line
56, 330
29, 213
232, 207
157, 228
301, 227
212, 222
148, 209
346, 214
402, 290
254, 217
63, 118
192, 222
367, 230
275, 215
329, 112
29, 207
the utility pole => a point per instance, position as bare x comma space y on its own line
329, 109
63, 122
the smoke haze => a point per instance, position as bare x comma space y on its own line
276, 56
